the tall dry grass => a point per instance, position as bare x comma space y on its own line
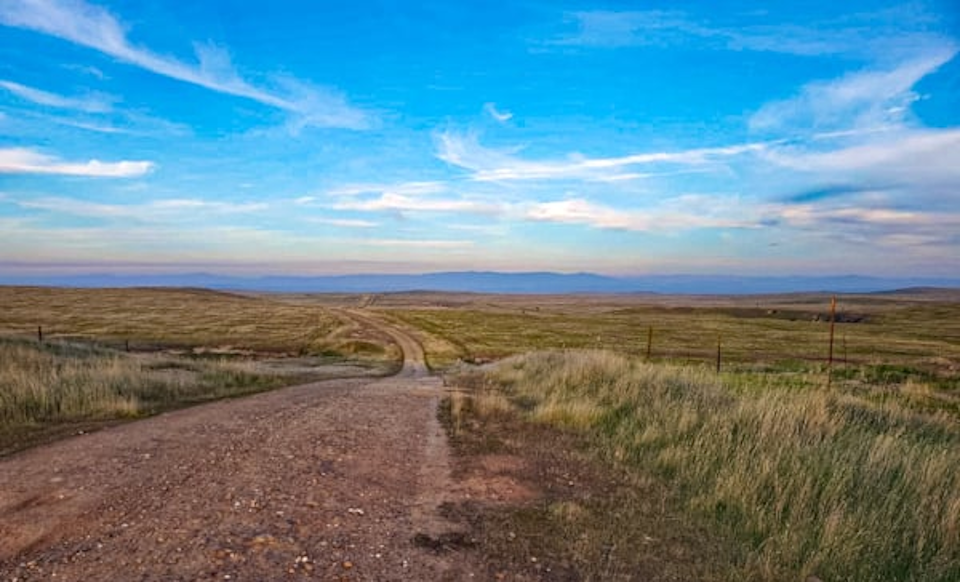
819, 483
51, 383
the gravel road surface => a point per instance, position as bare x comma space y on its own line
331, 481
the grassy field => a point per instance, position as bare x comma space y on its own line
109, 355
856, 480
168, 318
879, 339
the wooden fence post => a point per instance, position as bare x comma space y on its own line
718, 353
40, 334
833, 321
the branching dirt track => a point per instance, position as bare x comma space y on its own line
330, 480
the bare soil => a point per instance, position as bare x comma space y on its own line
539, 504
333, 480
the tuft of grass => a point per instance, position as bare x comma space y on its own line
844, 486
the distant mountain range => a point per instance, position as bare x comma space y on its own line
494, 282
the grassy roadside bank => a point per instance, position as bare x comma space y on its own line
58, 388
840, 485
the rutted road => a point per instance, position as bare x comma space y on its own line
329, 480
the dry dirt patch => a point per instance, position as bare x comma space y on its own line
540, 507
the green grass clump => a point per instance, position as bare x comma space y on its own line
838, 485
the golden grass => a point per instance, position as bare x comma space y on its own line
167, 317
756, 332
838, 485
46, 386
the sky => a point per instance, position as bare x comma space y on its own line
624, 138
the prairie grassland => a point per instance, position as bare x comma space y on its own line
45, 388
167, 318
892, 332
811, 482
905, 347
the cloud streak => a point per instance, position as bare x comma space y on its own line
154, 209
669, 217
915, 159
346, 222
416, 243
491, 165
390, 202
96, 28
90, 103
877, 35
496, 114
865, 99
28, 161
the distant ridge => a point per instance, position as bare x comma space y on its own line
497, 282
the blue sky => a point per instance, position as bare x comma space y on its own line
749, 138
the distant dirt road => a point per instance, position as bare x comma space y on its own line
330, 481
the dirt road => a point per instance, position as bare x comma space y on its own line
330, 480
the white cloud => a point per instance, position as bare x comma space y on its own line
915, 158
96, 28
500, 116
877, 35
865, 99
346, 222
416, 196
675, 216
96, 103
491, 165
416, 243
178, 204
872, 221
611, 29
400, 203
27, 161
154, 209
415, 188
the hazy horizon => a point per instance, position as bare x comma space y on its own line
578, 136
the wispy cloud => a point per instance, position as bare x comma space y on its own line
149, 211
28, 161
672, 216
909, 159
500, 116
414, 188
94, 27
401, 197
415, 243
875, 36
346, 222
488, 164
864, 99
116, 122
389, 202
93, 103
873, 220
